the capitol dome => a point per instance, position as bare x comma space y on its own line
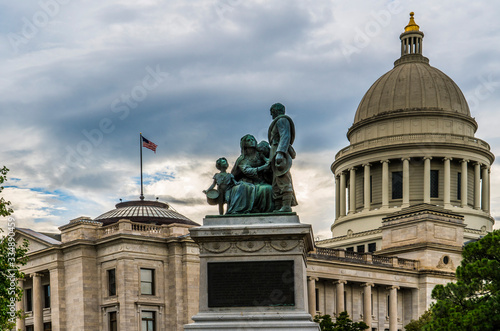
412, 142
413, 88
143, 211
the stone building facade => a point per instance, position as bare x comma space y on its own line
133, 268
411, 188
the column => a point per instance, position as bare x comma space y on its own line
447, 182
20, 325
393, 308
464, 184
427, 179
477, 185
367, 188
352, 191
337, 196
57, 298
406, 182
485, 190
342, 193
37, 302
367, 304
340, 296
385, 183
311, 294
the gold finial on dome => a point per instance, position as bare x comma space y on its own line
412, 26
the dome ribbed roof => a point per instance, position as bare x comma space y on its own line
151, 212
413, 86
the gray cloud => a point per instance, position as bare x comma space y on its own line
224, 64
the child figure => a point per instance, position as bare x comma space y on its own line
223, 180
265, 150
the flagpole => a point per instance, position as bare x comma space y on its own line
140, 146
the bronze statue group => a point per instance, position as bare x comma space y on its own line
260, 181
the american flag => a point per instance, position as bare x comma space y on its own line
149, 144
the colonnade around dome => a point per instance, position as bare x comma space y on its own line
366, 192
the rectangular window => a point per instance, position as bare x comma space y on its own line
360, 248
47, 326
362, 302
434, 183
111, 282
371, 189
459, 186
30, 328
349, 249
29, 299
345, 300
46, 296
388, 305
317, 299
397, 185
148, 321
113, 322
372, 247
147, 281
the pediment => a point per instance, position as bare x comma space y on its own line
37, 241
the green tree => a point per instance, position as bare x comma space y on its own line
4, 205
343, 323
418, 325
473, 302
11, 257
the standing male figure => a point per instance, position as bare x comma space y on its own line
281, 136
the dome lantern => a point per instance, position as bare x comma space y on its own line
411, 39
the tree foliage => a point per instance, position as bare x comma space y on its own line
4, 205
342, 323
11, 257
473, 302
418, 325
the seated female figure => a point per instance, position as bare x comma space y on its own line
254, 193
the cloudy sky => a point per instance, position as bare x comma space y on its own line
80, 79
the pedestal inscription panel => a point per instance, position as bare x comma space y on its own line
250, 284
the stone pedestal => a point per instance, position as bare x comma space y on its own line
253, 273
